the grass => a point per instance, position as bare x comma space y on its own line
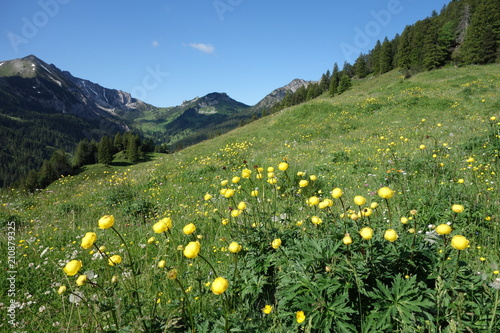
430, 138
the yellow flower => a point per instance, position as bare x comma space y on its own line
422, 147
229, 193
283, 166
235, 212
459, 242
254, 193
385, 192
366, 212
391, 235
242, 205
235, 179
267, 309
374, 205
403, 220
313, 177
114, 260
219, 285
245, 173
443, 229
301, 174
460, 181
276, 243
88, 240
151, 240
106, 221
457, 208
347, 240
189, 229
61, 290
303, 183
192, 249
162, 263
114, 279
300, 316
160, 227
411, 230
223, 182
72, 267
313, 201
316, 220
207, 197
234, 247
359, 200
366, 233
336, 193
81, 280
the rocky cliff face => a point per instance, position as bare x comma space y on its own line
277, 95
33, 80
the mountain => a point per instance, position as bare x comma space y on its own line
194, 120
277, 95
43, 108
30, 82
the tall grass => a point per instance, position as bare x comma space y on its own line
433, 140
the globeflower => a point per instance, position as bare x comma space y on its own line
336, 193
106, 221
457, 208
82, 279
162, 225
234, 247
276, 243
391, 235
219, 285
61, 290
283, 166
254, 193
267, 309
229, 193
366, 233
316, 220
242, 205
189, 229
443, 229
88, 240
300, 316
359, 200
192, 249
385, 192
114, 260
235, 179
313, 201
459, 242
245, 173
207, 197
347, 240
72, 267
303, 183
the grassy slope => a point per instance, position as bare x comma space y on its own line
361, 140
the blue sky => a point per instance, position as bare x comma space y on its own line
168, 51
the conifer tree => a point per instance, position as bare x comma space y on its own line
345, 83
105, 151
385, 57
360, 68
332, 90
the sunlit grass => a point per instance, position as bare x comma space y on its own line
433, 139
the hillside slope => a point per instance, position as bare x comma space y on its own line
433, 139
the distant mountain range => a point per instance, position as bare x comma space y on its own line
43, 108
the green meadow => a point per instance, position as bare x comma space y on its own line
258, 230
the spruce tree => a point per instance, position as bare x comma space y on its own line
105, 151
385, 57
332, 90
345, 83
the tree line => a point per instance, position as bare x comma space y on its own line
87, 152
464, 32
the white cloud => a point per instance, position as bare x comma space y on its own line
155, 43
205, 48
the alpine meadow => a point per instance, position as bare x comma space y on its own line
369, 205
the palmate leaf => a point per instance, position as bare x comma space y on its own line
402, 303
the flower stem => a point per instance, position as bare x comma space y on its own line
493, 315
188, 305
209, 264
